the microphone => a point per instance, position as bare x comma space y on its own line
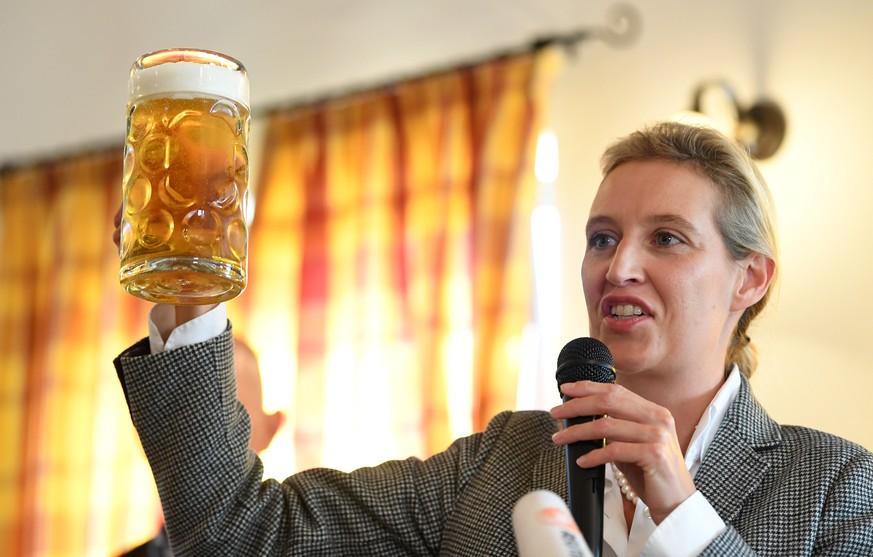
543, 527
590, 360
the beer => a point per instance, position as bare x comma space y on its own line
184, 232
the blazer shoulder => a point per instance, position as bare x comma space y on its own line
519, 428
520, 437
823, 445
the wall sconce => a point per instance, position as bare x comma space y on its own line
760, 128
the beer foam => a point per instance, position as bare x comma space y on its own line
189, 77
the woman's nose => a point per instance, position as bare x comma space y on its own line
626, 265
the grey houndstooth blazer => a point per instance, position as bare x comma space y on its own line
783, 491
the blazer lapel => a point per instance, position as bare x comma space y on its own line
734, 465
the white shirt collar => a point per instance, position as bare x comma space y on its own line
711, 419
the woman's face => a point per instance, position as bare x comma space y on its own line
658, 280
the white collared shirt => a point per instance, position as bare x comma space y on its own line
694, 523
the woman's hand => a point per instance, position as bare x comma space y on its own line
640, 438
116, 234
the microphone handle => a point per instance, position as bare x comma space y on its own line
585, 489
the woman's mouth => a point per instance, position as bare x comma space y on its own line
625, 311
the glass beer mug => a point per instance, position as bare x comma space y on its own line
184, 232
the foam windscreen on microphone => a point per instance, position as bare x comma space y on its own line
544, 527
585, 359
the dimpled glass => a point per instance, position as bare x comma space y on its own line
184, 233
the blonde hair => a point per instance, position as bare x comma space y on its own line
745, 215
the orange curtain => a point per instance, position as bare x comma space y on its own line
73, 480
389, 264
389, 285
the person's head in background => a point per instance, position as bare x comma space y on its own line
741, 205
250, 393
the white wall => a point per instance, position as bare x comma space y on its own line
815, 59
63, 80
64, 77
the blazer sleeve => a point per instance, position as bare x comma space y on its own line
195, 436
846, 526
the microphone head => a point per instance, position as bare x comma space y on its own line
585, 359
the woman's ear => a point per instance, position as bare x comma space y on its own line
758, 273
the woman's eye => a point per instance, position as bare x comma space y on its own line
666, 239
600, 241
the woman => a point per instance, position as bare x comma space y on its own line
680, 259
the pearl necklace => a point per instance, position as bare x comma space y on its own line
626, 488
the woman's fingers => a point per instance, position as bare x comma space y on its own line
613, 429
641, 438
116, 234
598, 399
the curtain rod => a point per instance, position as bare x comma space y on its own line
622, 28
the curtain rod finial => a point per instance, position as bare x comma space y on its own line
623, 28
